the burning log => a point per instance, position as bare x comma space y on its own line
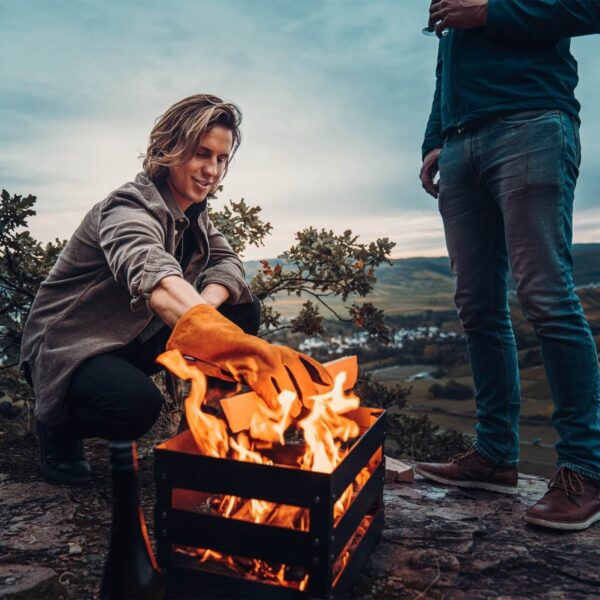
240, 511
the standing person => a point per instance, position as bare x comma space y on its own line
145, 260
504, 134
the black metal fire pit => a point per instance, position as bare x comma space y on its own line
320, 562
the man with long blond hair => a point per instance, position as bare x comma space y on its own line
147, 269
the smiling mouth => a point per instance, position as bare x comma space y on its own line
205, 184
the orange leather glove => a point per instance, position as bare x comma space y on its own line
221, 349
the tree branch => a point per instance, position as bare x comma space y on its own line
280, 328
318, 297
18, 290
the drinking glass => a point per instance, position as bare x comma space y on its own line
430, 31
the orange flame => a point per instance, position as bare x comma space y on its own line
325, 431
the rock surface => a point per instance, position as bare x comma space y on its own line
22, 581
443, 542
438, 542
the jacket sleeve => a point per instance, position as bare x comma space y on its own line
433, 131
133, 242
224, 267
542, 20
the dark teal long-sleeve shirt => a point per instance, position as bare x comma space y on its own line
520, 60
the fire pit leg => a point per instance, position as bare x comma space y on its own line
163, 500
321, 520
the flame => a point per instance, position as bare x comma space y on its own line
325, 431
217, 443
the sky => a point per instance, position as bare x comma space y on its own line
335, 95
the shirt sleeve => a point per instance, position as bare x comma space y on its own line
433, 131
133, 242
224, 267
542, 20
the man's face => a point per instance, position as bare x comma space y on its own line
191, 182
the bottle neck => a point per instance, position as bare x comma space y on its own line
123, 458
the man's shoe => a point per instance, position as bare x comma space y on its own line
61, 455
472, 470
572, 502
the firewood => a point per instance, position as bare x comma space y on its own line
396, 471
239, 409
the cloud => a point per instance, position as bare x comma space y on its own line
335, 96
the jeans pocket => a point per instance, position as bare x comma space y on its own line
545, 145
575, 125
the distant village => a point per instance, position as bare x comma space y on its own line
342, 344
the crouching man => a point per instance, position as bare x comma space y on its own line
143, 261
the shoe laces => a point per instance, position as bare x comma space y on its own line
460, 457
571, 482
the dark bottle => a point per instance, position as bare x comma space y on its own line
130, 570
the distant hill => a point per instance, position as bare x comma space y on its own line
416, 284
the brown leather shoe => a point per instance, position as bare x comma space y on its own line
472, 470
572, 502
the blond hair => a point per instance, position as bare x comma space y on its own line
177, 133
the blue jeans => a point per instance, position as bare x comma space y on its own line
506, 199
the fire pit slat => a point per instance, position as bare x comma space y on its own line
190, 584
358, 557
284, 485
370, 494
232, 536
321, 521
346, 472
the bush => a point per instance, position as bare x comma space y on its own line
415, 438
451, 391
418, 438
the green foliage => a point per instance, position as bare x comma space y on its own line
370, 318
308, 320
241, 225
411, 437
375, 394
24, 264
323, 265
418, 438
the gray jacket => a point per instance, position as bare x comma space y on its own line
95, 298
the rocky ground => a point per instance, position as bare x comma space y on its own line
441, 542
438, 542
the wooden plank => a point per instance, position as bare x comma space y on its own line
349, 364
239, 410
396, 471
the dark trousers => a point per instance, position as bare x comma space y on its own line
506, 199
111, 395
